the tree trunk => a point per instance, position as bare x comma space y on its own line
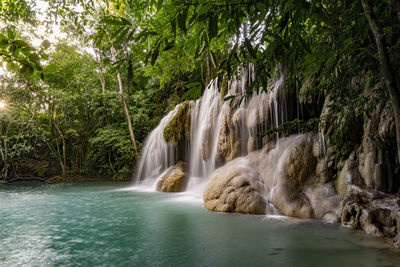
386, 67
63, 161
127, 116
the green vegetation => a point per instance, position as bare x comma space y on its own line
89, 112
292, 127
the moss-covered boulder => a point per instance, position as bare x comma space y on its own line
179, 127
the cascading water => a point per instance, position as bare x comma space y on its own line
220, 131
157, 155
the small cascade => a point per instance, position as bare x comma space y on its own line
204, 117
219, 130
157, 155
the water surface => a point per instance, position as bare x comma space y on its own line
96, 224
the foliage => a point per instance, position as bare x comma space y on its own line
167, 51
292, 127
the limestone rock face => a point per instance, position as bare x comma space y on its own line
373, 211
224, 140
396, 241
173, 178
291, 202
348, 175
236, 188
376, 153
324, 201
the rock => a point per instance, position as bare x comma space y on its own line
373, 211
178, 127
223, 142
396, 241
299, 162
236, 187
348, 175
286, 169
324, 201
376, 155
291, 201
172, 180
239, 134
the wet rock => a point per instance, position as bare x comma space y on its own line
348, 175
172, 180
376, 156
291, 201
223, 141
299, 162
239, 134
396, 241
324, 201
373, 211
236, 188
178, 128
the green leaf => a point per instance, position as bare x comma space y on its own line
45, 44
182, 21
154, 56
4, 43
116, 21
191, 85
9, 66
159, 4
213, 25
26, 70
252, 51
261, 6
230, 97
193, 93
173, 26
121, 36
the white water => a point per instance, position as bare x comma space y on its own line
245, 118
156, 154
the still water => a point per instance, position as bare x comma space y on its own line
101, 224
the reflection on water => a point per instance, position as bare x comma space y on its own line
92, 224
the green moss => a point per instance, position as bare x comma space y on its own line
179, 127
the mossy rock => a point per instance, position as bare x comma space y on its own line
179, 126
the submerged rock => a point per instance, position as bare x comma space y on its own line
173, 178
236, 188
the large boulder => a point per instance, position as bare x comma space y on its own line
373, 211
173, 179
236, 187
290, 201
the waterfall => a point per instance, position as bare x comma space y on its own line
220, 130
156, 155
